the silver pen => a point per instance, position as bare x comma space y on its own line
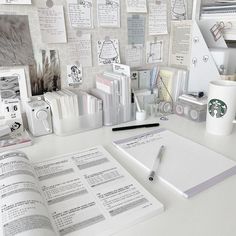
156, 163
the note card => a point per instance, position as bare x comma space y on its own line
52, 24
157, 18
108, 51
136, 6
154, 52
134, 55
180, 43
19, 2
80, 50
178, 9
74, 74
80, 13
136, 29
108, 13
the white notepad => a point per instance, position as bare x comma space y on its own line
186, 166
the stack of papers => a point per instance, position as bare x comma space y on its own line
186, 166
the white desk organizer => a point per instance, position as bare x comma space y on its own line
114, 116
72, 125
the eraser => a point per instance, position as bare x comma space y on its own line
141, 115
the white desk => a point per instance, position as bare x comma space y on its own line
210, 213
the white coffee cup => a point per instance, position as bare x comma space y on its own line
221, 107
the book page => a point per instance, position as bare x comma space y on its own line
23, 209
180, 43
89, 193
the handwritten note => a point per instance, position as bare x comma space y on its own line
108, 13
136, 29
80, 50
157, 20
154, 52
80, 13
52, 24
20, 2
108, 51
136, 6
134, 55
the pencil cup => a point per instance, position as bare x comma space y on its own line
221, 107
141, 115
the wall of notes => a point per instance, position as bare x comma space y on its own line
80, 38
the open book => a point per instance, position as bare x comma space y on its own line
186, 166
83, 193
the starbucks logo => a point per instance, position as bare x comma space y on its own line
217, 108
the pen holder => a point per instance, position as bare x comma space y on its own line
117, 115
77, 124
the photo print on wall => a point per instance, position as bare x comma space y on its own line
45, 74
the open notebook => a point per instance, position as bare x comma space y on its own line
186, 166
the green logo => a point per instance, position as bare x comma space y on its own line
217, 108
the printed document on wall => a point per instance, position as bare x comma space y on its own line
180, 43
80, 13
108, 51
157, 17
136, 6
17, 2
154, 51
136, 29
52, 24
178, 9
80, 50
108, 13
134, 55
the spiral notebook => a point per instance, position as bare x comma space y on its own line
186, 166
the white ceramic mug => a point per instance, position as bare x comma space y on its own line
221, 107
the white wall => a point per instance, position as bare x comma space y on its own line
97, 33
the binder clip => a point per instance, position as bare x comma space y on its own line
218, 29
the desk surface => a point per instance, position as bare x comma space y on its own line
210, 213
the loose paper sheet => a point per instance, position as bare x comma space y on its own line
134, 55
136, 29
80, 13
15, 41
178, 9
80, 50
136, 6
52, 24
108, 51
154, 52
108, 13
180, 43
20, 2
157, 17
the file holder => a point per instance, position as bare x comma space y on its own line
77, 124
117, 115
